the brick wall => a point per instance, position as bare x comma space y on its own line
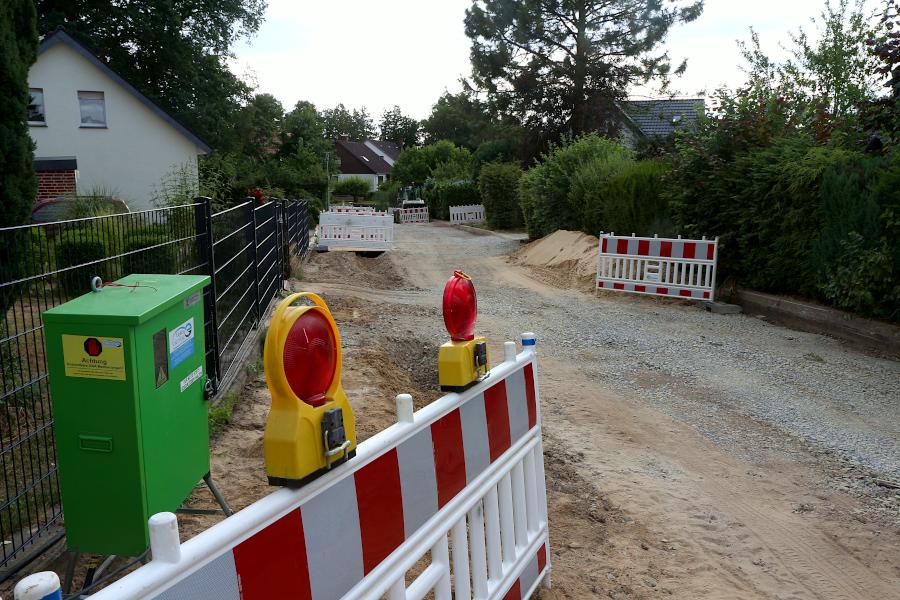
52, 184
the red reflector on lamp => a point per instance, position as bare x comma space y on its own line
310, 357
460, 307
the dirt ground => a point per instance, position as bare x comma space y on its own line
659, 483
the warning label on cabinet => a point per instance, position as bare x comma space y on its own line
94, 357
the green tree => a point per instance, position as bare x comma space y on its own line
460, 118
259, 125
398, 128
356, 124
441, 160
18, 50
552, 62
174, 52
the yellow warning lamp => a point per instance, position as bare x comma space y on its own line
310, 426
463, 361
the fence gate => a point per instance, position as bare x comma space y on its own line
452, 495
413, 215
470, 213
658, 266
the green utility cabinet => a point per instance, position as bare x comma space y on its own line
127, 377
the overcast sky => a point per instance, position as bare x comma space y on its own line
407, 52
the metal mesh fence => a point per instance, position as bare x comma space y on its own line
245, 250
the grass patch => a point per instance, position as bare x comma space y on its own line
220, 414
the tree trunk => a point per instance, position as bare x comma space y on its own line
576, 125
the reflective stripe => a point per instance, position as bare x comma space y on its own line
517, 403
217, 580
449, 456
418, 483
529, 395
475, 436
497, 413
331, 524
380, 505
277, 553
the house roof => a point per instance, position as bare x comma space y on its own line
389, 148
359, 159
659, 118
60, 36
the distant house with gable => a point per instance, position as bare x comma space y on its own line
649, 119
371, 160
94, 131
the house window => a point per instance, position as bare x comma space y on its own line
36, 107
380, 179
93, 109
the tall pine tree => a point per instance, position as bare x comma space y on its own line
557, 63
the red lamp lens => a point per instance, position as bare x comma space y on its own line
310, 357
460, 307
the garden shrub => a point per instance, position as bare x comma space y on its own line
76, 249
546, 198
635, 202
353, 186
498, 184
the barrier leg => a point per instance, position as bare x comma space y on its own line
461, 583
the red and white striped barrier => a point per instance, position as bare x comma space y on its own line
413, 215
363, 230
658, 266
465, 472
352, 209
470, 213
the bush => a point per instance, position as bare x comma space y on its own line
77, 249
634, 201
498, 184
353, 186
156, 260
386, 195
546, 196
441, 195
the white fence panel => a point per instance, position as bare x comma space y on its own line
349, 230
465, 472
658, 266
470, 213
413, 215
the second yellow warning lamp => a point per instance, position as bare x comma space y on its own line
464, 360
310, 426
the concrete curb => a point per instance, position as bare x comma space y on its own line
866, 334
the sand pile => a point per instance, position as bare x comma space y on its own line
566, 253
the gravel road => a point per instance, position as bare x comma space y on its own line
689, 454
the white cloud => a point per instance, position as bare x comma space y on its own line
407, 52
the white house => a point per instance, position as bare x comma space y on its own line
93, 130
360, 160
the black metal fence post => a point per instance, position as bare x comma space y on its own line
206, 252
251, 219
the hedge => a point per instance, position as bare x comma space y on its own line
498, 184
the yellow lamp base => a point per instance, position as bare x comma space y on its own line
459, 366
